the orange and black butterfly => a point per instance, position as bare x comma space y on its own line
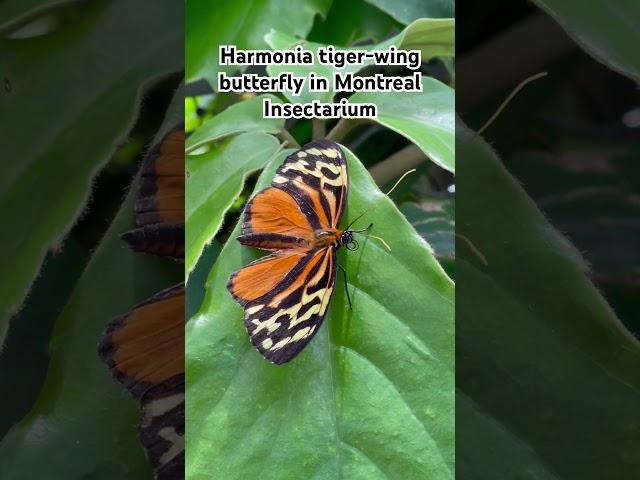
144, 348
285, 294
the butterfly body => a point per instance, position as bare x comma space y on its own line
285, 295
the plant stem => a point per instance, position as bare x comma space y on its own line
395, 165
287, 138
344, 126
319, 128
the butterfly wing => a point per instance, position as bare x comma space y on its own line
316, 176
273, 220
160, 203
145, 347
283, 317
144, 350
162, 428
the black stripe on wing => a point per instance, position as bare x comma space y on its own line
280, 332
162, 428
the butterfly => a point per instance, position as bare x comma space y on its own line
285, 295
144, 348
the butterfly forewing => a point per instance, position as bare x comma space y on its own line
316, 176
286, 294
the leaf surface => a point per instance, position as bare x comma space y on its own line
370, 397
242, 24
607, 29
78, 128
539, 351
244, 116
433, 37
214, 181
426, 118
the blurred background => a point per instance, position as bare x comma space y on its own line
547, 240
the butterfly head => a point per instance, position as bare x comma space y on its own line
348, 241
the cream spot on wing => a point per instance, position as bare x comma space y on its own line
254, 309
270, 324
279, 179
314, 151
163, 405
177, 443
330, 152
267, 343
281, 344
300, 334
302, 154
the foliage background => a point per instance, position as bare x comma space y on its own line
547, 364
85, 88
372, 395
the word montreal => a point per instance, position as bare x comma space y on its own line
316, 109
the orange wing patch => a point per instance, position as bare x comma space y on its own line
145, 346
262, 276
160, 204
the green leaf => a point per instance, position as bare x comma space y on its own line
245, 116
407, 11
14, 13
539, 352
352, 21
242, 24
426, 118
434, 220
25, 356
81, 409
214, 181
433, 37
607, 29
370, 397
78, 128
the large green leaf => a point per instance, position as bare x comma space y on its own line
406, 11
433, 37
214, 181
370, 397
351, 21
607, 29
75, 130
426, 118
245, 116
434, 220
14, 13
539, 353
81, 409
243, 24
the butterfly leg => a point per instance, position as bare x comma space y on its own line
346, 289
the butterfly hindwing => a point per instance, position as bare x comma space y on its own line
162, 428
282, 322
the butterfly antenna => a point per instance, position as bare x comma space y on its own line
381, 240
399, 180
356, 219
506, 101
